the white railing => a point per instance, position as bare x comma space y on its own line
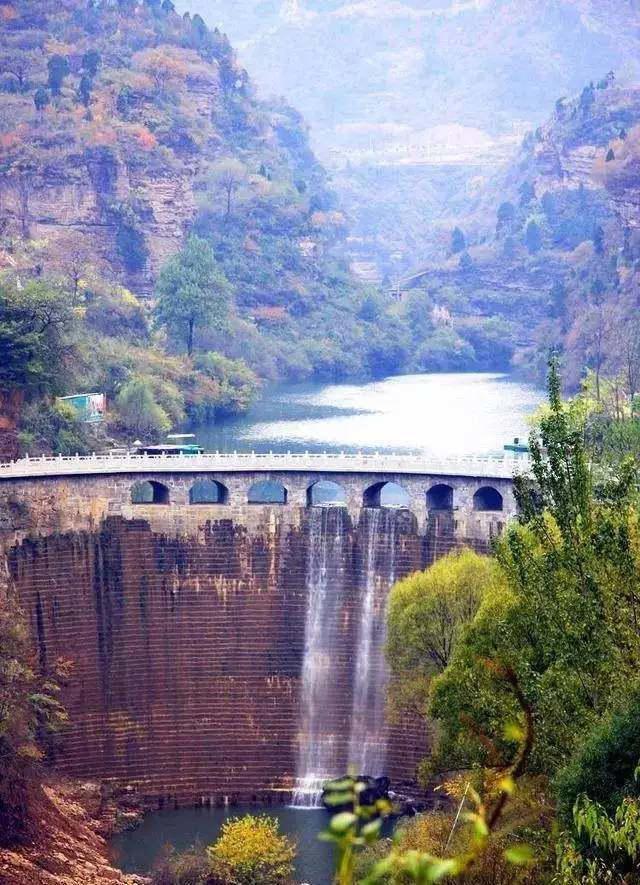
232, 462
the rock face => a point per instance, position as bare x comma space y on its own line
186, 625
70, 849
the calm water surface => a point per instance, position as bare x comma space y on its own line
136, 850
439, 415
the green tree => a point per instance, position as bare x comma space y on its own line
41, 98
527, 193
58, 67
566, 624
506, 218
192, 292
427, 613
533, 237
138, 411
36, 336
251, 851
458, 241
84, 90
91, 61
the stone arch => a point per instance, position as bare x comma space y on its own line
267, 491
488, 499
440, 497
149, 491
208, 491
324, 492
386, 494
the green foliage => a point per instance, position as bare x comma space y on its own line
138, 411
58, 67
91, 62
604, 766
606, 849
428, 612
458, 241
36, 328
53, 427
566, 623
237, 384
251, 851
533, 237
190, 867
192, 292
41, 98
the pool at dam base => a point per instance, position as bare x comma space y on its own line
136, 851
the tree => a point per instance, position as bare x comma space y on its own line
533, 237
228, 175
41, 98
527, 193
164, 66
91, 62
36, 334
29, 709
566, 623
251, 851
506, 218
598, 239
138, 412
58, 66
610, 155
192, 292
427, 613
458, 241
84, 90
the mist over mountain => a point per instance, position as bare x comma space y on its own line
426, 80
422, 97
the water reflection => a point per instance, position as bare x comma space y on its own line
440, 415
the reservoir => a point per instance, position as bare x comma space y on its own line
438, 415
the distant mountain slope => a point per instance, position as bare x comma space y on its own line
375, 77
552, 243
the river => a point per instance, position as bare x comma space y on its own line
435, 415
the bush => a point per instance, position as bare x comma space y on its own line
251, 851
603, 769
190, 867
138, 412
53, 427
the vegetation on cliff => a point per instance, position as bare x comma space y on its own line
128, 133
543, 669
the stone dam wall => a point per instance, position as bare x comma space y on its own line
186, 623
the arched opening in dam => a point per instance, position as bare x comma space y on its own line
487, 500
326, 493
440, 497
267, 491
149, 492
208, 491
386, 494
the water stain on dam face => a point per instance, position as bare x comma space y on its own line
224, 651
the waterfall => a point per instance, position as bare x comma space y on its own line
320, 735
368, 739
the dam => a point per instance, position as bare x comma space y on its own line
225, 614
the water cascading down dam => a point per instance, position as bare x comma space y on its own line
227, 644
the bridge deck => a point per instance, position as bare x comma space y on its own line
217, 462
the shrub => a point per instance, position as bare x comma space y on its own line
138, 412
604, 767
251, 851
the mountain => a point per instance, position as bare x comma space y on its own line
551, 245
414, 86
